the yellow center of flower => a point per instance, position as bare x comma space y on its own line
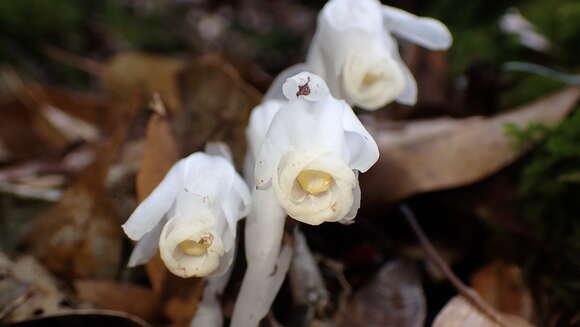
370, 78
196, 248
314, 181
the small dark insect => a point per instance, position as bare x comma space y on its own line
304, 89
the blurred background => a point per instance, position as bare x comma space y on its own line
81, 144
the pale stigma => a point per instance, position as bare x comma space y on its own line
314, 181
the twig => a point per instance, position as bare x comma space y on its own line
67, 58
432, 254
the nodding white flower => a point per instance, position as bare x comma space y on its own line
312, 148
191, 216
354, 51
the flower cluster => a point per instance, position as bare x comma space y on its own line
306, 148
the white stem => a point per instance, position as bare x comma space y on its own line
267, 265
209, 311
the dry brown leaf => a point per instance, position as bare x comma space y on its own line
85, 318
182, 297
80, 236
422, 156
24, 131
393, 298
136, 72
217, 104
112, 295
458, 313
502, 286
159, 155
42, 294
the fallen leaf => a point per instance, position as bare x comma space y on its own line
80, 236
113, 295
502, 286
85, 318
393, 298
217, 104
159, 155
182, 297
42, 293
136, 72
422, 156
458, 312
24, 131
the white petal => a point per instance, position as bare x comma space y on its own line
219, 149
236, 202
363, 150
409, 95
300, 124
147, 246
275, 90
363, 15
307, 85
151, 210
260, 120
427, 32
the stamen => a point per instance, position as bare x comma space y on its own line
314, 181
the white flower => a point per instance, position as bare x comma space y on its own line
354, 51
191, 216
309, 151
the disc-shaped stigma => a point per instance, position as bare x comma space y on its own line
314, 181
196, 248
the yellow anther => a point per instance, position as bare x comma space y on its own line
195, 248
314, 181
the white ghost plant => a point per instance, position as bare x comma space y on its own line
303, 159
191, 216
354, 51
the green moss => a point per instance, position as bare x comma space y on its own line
550, 191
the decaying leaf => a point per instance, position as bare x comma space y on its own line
393, 298
24, 131
502, 286
135, 72
112, 295
85, 318
80, 236
182, 298
217, 104
159, 155
38, 292
422, 156
459, 312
